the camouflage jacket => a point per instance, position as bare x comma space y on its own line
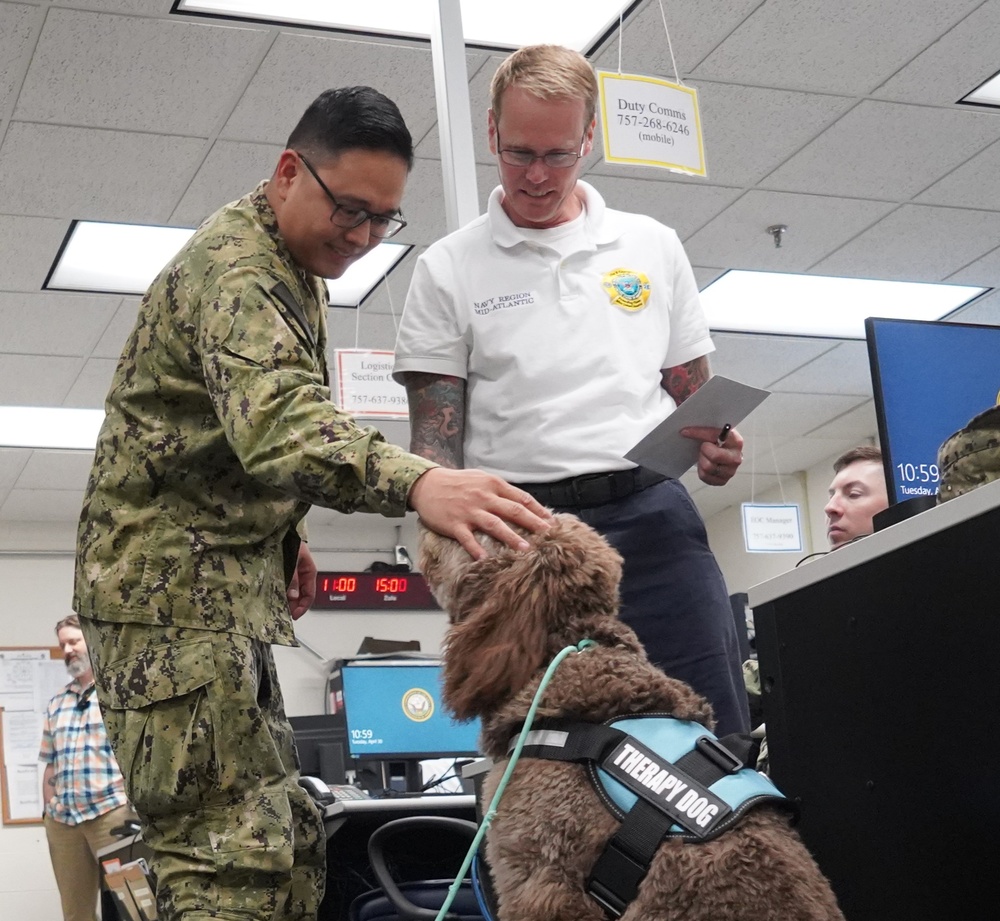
219, 434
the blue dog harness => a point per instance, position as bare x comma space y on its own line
662, 778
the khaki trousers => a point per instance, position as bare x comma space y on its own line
73, 849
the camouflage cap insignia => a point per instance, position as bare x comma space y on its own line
627, 289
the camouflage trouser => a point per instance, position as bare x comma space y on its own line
197, 724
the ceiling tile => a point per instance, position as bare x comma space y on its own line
854, 426
117, 331
138, 7
41, 505
27, 381
963, 187
229, 172
29, 246
53, 324
984, 271
53, 171
738, 237
802, 454
705, 276
761, 360
844, 369
696, 27
848, 47
951, 67
91, 386
12, 462
795, 414
57, 470
916, 243
886, 151
17, 22
137, 74
984, 310
299, 67
683, 206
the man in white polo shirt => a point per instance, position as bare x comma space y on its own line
544, 339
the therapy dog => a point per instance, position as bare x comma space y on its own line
511, 614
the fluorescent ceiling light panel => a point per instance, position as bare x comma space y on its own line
988, 94
49, 427
125, 258
507, 25
114, 258
365, 275
819, 305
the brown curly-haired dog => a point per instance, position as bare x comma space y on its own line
511, 614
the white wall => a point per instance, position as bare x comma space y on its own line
725, 534
36, 585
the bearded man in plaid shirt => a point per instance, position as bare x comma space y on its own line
82, 784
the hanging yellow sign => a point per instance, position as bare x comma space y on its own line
650, 122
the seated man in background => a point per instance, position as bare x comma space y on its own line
856, 494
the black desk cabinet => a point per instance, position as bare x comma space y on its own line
879, 667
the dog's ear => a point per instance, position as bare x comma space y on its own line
499, 635
514, 610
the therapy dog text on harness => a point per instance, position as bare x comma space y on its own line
662, 777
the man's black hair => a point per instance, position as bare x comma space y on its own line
350, 118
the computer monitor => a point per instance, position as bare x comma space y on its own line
393, 714
929, 379
321, 744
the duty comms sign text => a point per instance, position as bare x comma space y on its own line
651, 122
366, 387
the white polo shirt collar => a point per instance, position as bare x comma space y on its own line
601, 228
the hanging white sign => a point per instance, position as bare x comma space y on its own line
771, 528
365, 385
650, 122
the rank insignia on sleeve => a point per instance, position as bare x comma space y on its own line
627, 289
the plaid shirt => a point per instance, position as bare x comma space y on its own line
87, 780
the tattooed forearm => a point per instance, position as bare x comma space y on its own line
437, 417
680, 382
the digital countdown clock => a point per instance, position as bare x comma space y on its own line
350, 591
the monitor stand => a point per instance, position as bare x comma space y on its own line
402, 777
902, 510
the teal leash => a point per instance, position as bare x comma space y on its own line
511, 764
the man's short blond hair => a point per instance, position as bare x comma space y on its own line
548, 72
71, 621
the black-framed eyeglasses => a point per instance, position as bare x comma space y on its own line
555, 159
346, 216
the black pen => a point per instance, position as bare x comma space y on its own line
726, 429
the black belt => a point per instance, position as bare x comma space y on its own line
592, 489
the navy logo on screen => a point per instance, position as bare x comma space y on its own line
418, 705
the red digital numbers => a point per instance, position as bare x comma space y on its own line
339, 584
391, 585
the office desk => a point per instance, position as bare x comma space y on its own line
881, 692
349, 824
420, 854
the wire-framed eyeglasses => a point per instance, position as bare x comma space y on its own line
347, 216
555, 159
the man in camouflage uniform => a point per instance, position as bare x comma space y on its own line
219, 435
